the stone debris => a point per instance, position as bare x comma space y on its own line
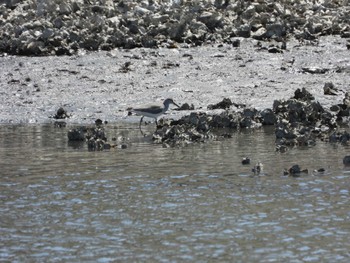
94, 137
61, 114
246, 160
346, 160
329, 89
296, 171
298, 121
258, 168
51, 27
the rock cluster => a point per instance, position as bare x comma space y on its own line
61, 114
95, 137
40, 27
201, 126
302, 120
299, 121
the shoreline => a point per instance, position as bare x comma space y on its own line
102, 85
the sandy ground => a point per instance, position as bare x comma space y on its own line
104, 84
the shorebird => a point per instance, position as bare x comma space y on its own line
152, 110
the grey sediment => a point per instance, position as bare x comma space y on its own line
93, 85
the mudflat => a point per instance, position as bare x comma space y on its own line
103, 84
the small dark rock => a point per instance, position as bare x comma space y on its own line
268, 117
236, 42
295, 169
224, 104
126, 67
246, 160
186, 106
281, 148
335, 108
77, 134
124, 146
60, 124
346, 160
274, 49
321, 170
61, 114
258, 168
315, 70
98, 122
303, 95
95, 144
329, 89
107, 146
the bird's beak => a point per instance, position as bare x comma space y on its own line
176, 105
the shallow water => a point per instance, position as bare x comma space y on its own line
60, 202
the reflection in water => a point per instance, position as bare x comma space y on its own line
60, 202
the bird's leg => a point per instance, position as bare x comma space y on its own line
156, 124
141, 123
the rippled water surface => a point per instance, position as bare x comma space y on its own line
60, 202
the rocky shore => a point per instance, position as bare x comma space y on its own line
232, 64
54, 27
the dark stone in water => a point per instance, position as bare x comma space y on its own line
96, 133
77, 134
246, 160
346, 160
60, 124
124, 146
341, 137
95, 137
258, 168
95, 144
107, 146
268, 117
296, 171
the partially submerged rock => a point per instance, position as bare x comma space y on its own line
296, 171
346, 160
95, 137
258, 168
299, 121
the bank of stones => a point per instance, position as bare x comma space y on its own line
51, 27
298, 121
